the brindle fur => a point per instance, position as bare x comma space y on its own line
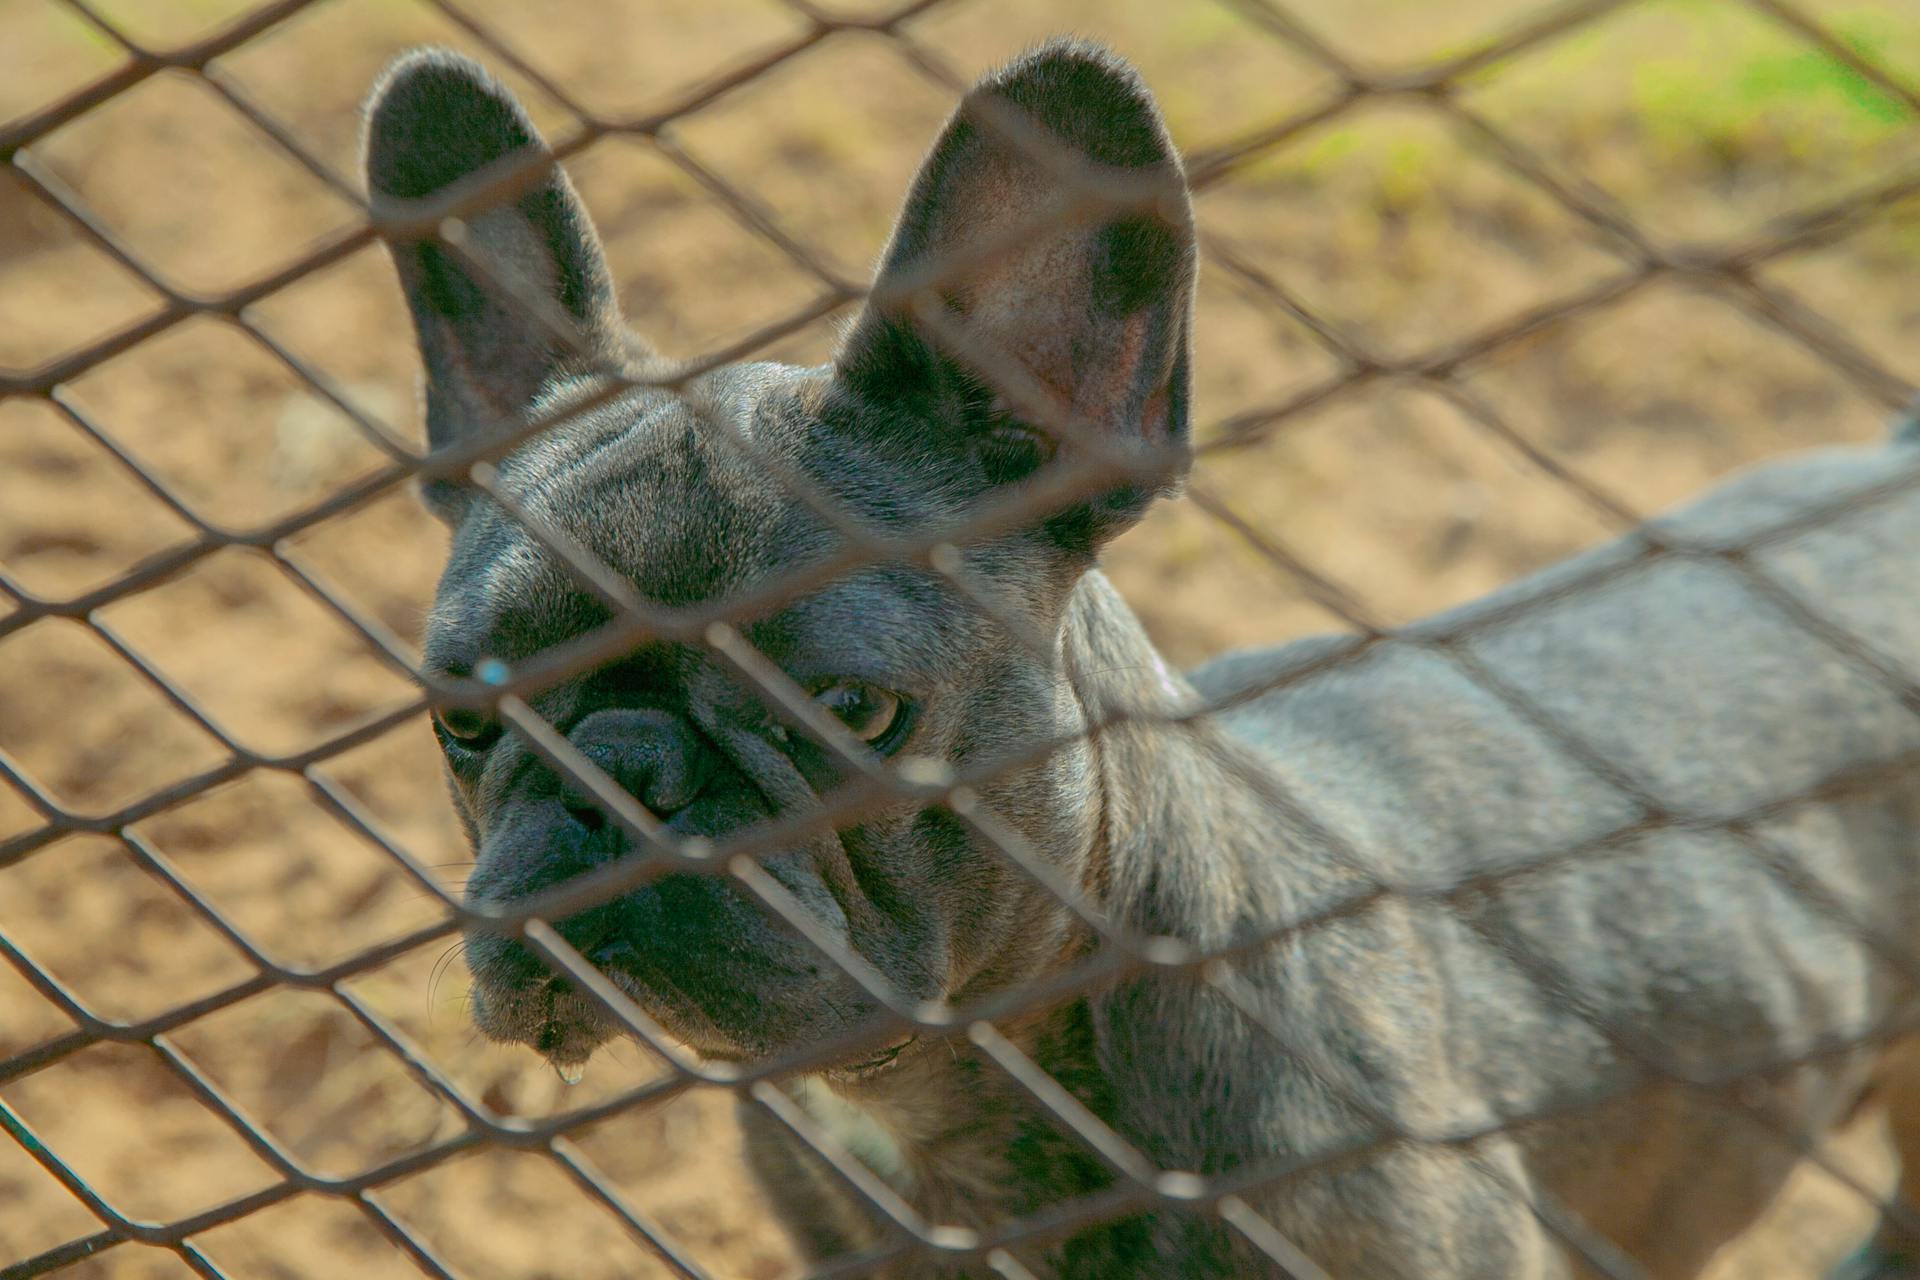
1688, 690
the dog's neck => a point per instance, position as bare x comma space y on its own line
1184, 819
1176, 850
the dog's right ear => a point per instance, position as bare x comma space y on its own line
491, 336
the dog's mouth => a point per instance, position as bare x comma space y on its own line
553, 1019
566, 1027
698, 958
559, 1021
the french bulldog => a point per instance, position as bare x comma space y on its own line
1551, 933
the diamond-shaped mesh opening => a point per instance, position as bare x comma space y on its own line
310, 75
310, 890
1228, 80
1180, 558
1667, 761
167, 27
1386, 35
387, 783
1597, 905
378, 563
86, 727
1398, 227
58, 292
330, 679
237, 435
684, 260
50, 51
308, 1237
1839, 281
1433, 680
315, 1080
122, 1113
1265, 354
829, 139
1736, 391
348, 325
1403, 499
644, 1153
1705, 121
631, 58
1607, 912
1794, 564
813, 342
112, 933
146, 162
59, 489
578, 1236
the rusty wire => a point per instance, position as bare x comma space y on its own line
1726, 272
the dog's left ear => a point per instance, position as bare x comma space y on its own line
1041, 272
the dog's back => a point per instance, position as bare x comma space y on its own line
1643, 820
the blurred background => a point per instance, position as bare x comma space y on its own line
1338, 237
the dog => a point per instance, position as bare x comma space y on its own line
1556, 927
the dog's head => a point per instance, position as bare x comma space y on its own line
1021, 367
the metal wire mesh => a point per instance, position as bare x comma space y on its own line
1728, 272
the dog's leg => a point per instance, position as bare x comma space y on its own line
823, 1220
1894, 1251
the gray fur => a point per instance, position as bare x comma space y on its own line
1388, 777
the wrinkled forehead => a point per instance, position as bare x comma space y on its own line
655, 493
690, 500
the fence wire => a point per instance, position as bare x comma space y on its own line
1728, 272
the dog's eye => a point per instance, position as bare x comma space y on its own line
871, 714
469, 727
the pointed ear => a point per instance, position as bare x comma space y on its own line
1042, 271
435, 118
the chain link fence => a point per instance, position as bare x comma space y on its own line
1733, 273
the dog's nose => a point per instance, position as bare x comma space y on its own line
655, 756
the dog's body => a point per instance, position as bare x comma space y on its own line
1684, 945
1637, 819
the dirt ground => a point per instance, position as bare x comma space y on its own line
1705, 122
